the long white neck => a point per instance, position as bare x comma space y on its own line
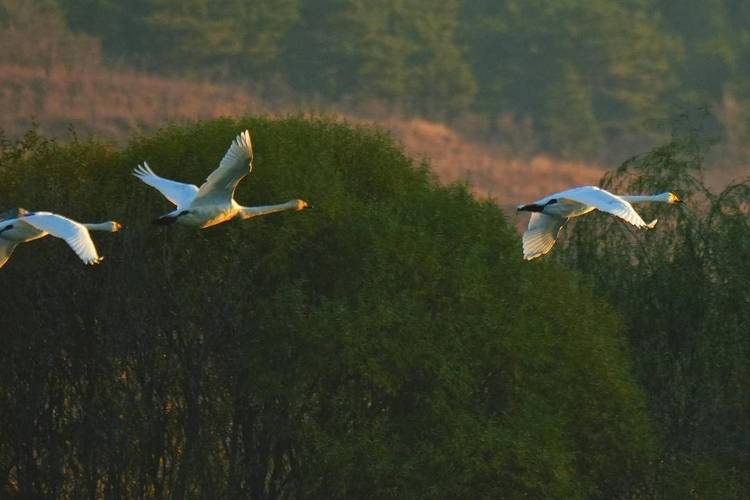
100, 226
663, 198
249, 212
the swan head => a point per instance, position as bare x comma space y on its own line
107, 227
673, 198
667, 197
301, 205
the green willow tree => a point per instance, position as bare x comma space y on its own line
389, 343
682, 290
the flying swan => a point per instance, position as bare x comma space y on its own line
20, 226
549, 214
213, 203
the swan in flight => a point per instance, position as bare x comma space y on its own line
549, 214
20, 226
213, 203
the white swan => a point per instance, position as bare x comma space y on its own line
550, 213
20, 226
213, 203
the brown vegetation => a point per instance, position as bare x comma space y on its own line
116, 103
58, 79
487, 168
111, 103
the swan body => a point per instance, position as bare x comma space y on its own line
213, 203
21, 226
549, 214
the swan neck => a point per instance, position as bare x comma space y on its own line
98, 226
248, 212
644, 199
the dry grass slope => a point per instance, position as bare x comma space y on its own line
113, 103
116, 103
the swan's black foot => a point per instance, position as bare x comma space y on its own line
165, 221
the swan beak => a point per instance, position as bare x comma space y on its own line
118, 226
309, 206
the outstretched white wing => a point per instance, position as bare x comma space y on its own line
541, 234
6, 249
74, 234
179, 193
221, 183
606, 202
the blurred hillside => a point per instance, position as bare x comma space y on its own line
517, 98
584, 76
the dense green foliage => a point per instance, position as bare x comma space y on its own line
683, 291
586, 73
389, 343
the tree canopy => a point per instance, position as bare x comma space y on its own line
390, 342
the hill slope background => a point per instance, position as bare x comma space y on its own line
111, 103
61, 68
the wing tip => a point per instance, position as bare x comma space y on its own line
532, 256
248, 145
140, 170
143, 170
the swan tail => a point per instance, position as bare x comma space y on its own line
651, 224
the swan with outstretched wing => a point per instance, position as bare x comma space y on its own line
23, 226
550, 213
213, 203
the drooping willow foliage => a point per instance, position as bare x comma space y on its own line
682, 290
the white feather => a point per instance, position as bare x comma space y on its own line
541, 234
558, 208
222, 182
6, 249
180, 194
30, 226
74, 234
214, 202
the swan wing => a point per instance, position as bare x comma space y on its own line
604, 201
221, 183
179, 193
541, 234
6, 249
74, 234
